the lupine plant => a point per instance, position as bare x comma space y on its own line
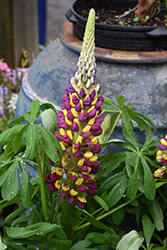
82, 198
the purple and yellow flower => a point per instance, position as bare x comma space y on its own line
80, 125
161, 156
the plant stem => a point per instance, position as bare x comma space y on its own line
108, 213
41, 173
113, 127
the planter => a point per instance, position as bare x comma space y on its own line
129, 38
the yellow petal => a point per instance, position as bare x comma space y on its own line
80, 162
58, 184
88, 154
81, 199
79, 181
65, 187
93, 158
73, 192
86, 128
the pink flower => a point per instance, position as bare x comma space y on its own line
4, 67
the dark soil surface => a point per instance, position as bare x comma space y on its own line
108, 16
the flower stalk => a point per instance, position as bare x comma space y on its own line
79, 125
41, 172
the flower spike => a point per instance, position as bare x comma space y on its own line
80, 124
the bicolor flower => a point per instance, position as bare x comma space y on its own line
80, 125
161, 155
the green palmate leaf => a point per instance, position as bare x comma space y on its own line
118, 216
48, 106
83, 244
25, 187
56, 144
110, 102
95, 222
16, 213
110, 162
9, 134
42, 244
99, 238
128, 129
148, 144
133, 180
18, 140
111, 181
118, 142
49, 120
35, 110
101, 202
116, 193
32, 140
27, 117
153, 163
108, 110
149, 182
4, 203
147, 119
16, 121
157, 214
39, 229
120, 100
142, 124
24, 218
148, 229
51, 146
11, 184
130, 241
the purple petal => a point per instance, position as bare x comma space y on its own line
162, 147
75, 99
95, 148
67, 105
95, 126
92, 192
58, 136
75, 127
81, 188
71, 199
84, 169
82, 117
77, 154
99, 119
51, 187
78, 107
98, 104
87, 101
70, 115
82, 93
65, 97
67, 139
92, 95
97, 132
64, 194
80, 204
92, 113
86, 134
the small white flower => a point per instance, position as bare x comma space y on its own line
13, 102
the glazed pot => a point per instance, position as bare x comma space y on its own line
129, 38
